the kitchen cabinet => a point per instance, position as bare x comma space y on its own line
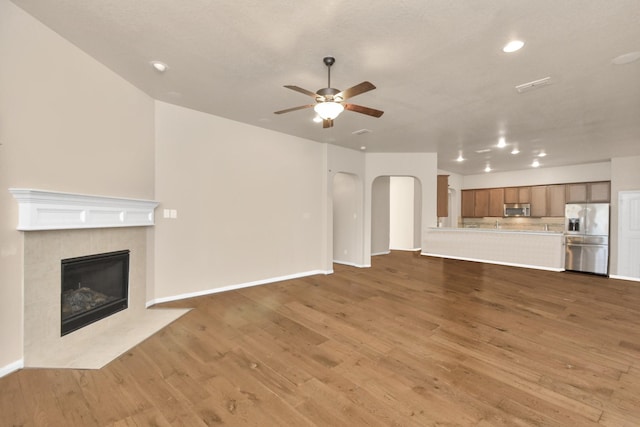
588, 192
524, 194
468, 203
556, 200
496, 202
539, 200
576, 193
599, 192
511, 195
481, 203
517, 195
545, 200
443, 196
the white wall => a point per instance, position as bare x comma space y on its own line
249, 204
401, 213
380, 222
347, 194
540, 176
423, 166
67, 123
344, 160
625, 176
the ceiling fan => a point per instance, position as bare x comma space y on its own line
330, 102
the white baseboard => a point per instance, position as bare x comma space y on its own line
509, 264
381, 253
632, 279
234, 287
351, 264
11, 367
407, 250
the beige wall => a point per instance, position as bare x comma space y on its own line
67, 123
248, 200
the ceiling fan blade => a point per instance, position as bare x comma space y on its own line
356, 90
364, 110
303, 91
327, 123
288, 110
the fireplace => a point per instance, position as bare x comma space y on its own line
93, 287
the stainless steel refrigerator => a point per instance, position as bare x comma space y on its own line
587, 237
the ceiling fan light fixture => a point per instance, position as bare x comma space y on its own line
328, 110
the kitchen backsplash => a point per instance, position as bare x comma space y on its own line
537, 224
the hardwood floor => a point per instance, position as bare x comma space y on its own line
412, 341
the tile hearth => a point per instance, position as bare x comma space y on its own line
98, 343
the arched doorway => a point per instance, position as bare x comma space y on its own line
396, 213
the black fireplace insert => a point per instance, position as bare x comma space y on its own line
93, 287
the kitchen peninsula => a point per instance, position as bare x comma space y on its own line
521, 248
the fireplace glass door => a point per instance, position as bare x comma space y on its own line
93, 287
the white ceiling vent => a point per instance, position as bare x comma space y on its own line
536, 84
361, 131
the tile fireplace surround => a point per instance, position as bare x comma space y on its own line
96, 344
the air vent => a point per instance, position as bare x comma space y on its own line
526, 87
361, 131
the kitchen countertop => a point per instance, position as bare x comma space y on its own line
494, 230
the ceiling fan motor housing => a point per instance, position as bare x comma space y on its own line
327, 94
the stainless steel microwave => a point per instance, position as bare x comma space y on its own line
517, 209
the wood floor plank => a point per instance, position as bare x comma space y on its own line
411, 341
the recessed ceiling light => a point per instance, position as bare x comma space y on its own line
513, 46
515, 151
363, 148
460, 158
542, 154
159, 66
627, 58
535, 163
317, 119
487, 169
502, 142
484, 150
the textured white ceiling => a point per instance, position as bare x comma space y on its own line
441, 77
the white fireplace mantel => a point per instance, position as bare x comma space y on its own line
51, 210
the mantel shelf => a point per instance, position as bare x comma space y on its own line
51, 210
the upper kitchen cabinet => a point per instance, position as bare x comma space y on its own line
576, 193
524, 194
599, 192
585, 192
475, 203
517, 195
496, 202
539, 201
556, 199
443, 196
481, 203
468, 203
